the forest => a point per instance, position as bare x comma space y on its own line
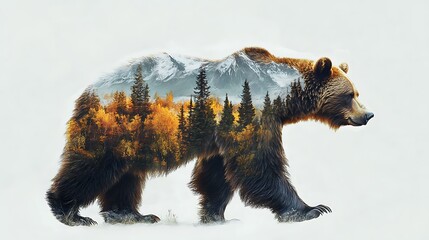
160, 133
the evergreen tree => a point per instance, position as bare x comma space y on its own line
146, 102
267, 111
294, 97
140, 95
202, 90
203, 117
246, 111
278, 107
189, 133
287, 104
227, 121
182, 133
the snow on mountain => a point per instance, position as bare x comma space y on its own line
164, 72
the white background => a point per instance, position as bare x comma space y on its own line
374, 177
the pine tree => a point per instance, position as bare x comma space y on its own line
287, 104
267, 111
182, 133
294, 97
203, 117
140, 95
202, 90
227, 121
189, 133
146, 102
246, 111
279, 107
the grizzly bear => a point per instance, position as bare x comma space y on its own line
117, 139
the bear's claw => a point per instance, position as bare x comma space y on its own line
76, 220
128, 217
85, 221
305, 214
323, 209
150, 218
317, 211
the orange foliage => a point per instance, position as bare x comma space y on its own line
74, 136
217, 107
167, 102
163, 124
128, 148
106, 121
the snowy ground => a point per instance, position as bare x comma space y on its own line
374, 178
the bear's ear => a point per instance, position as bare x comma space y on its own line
322, 67
344, 67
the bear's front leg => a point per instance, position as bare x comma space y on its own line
208, 180
275, 192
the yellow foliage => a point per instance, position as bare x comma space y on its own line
246, 135
167, 102
245, 148
129, 103
134, 125
74, 136
163, 123
127, 148
72, 129
217, 107
106, 121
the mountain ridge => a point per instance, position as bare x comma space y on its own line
165, 72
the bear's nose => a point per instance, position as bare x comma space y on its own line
368, 116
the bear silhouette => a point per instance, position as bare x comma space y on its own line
119, 135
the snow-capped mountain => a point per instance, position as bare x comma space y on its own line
177, 73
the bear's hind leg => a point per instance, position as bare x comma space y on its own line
68, 212
208, 180
78, 183
120, 203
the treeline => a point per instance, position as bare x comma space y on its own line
162, 133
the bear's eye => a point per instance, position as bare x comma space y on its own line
351, 95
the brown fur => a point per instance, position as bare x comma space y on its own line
328, 89
256, 165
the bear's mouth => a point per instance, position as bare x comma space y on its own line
353, 123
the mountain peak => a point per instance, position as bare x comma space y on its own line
164, 72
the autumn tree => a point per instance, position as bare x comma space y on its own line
227, 120
161, 128
83, 132
120, 102
203, 118
246, 111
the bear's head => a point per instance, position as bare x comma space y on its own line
337, 102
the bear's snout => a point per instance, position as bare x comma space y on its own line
361, 120
368, 116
